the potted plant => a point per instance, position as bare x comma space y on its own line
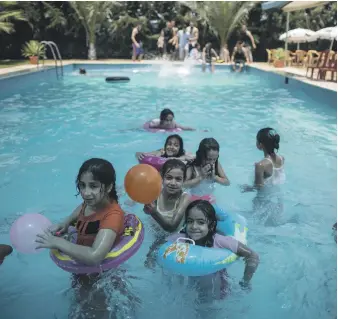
279, 58
32, 50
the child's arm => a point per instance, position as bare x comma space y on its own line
251, 263
191, 182
169, 224
185, 128
63, 226
88, 255
221, 178
259, 179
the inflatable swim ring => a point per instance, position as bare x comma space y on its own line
154, 161
117, 79
128, 245
147, 127
183, 257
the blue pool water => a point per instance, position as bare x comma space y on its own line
48, 128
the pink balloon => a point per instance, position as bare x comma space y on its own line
24, 230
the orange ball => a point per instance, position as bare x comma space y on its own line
143, 183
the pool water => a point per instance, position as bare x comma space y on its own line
48, 129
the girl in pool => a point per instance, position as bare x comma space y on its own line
166, 121
270, 170
269, 175
168, 210
205, 170
200, 226
173, 148
99, 223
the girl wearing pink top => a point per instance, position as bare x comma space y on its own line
200, 226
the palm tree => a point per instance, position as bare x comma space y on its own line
92, 15
223, 17
8, 14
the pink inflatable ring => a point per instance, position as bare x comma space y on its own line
154, 161
126, 247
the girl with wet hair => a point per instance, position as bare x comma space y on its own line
270, 170
206, 167
200, 226
168, 210
173, 148
166, 121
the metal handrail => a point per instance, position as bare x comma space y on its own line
52, 45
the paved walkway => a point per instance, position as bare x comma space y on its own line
298, 73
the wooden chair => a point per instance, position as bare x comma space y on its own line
317, 64
330, 67
271, 57
300, 56
310, 56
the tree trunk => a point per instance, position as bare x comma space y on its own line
92, 51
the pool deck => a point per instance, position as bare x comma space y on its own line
297, 73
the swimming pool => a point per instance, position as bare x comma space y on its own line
49, 127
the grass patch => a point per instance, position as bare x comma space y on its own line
10, 63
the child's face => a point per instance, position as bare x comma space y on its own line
173, 181
168, 121
172, 148
211, 158
197, 224
91, 190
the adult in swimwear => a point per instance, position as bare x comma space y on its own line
207, 54
194, 34
248, 40
136, 43
169, 45
238, 57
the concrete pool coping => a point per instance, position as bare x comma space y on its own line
296, 73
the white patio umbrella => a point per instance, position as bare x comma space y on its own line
325, 34
298, 35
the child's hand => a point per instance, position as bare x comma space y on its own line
206, 170
140, 156
58, 229
47, 240
245, 285
149, 208
246, 188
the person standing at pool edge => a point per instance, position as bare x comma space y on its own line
248, 40
136, 43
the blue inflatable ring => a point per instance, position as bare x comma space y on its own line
183, 257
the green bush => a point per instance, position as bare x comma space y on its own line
33, 48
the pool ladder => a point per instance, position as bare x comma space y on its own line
57, 57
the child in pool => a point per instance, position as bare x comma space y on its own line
200, 226
166, 121
5, 250
168, 210
270, 170
99, 223
205, 169
173, 148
